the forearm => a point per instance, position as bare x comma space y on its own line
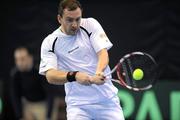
56, 77
103, 61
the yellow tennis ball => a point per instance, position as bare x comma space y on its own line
138, 74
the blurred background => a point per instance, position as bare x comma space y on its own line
151, 26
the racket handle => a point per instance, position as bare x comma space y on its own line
108, 74
113, 70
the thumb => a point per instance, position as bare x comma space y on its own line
100, 73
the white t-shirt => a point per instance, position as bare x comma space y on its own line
78, 53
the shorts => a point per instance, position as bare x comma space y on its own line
109, 110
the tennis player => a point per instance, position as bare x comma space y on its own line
76, 55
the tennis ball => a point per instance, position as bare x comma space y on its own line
138, 74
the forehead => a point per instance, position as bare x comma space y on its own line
73, 14
21, 53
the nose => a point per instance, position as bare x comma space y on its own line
74, 25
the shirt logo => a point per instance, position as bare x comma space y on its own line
104, 37
73, 50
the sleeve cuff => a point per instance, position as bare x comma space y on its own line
104, 47
43, 70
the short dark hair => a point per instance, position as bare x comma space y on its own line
19, 48
68, 4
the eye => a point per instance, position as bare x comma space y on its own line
78, 19
69, 20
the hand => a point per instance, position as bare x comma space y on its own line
83, 78
98, 79
100, 73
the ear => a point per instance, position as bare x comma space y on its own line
59, 18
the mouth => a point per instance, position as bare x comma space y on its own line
74, 29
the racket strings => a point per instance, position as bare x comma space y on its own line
143, 62
120, 77
128, 64
131, 72
146, 64
127, 76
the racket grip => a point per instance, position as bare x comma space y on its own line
107, 74
113, 70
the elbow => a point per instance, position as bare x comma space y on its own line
49, 77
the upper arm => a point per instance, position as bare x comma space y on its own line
48, 57
103, 54
98, 37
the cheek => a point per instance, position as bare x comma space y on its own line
65, 24
79, 23
19, 63
22, 62
68, 27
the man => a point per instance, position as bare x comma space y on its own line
76, 55
27, 88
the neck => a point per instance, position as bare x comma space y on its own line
62, 30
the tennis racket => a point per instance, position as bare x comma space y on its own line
128, 64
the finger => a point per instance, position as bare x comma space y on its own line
102, 78
100, 83
100, 73
91, 80
87, 84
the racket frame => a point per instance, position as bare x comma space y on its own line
120, 79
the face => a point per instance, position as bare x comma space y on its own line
70, 21
23, 60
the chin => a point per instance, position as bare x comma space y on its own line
73, 33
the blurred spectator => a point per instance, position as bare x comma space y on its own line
28, 88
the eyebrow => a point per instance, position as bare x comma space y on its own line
73, 18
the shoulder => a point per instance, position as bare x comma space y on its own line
88, 22
50, 39
13, 72
89, 25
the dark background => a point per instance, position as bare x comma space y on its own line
132, 25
